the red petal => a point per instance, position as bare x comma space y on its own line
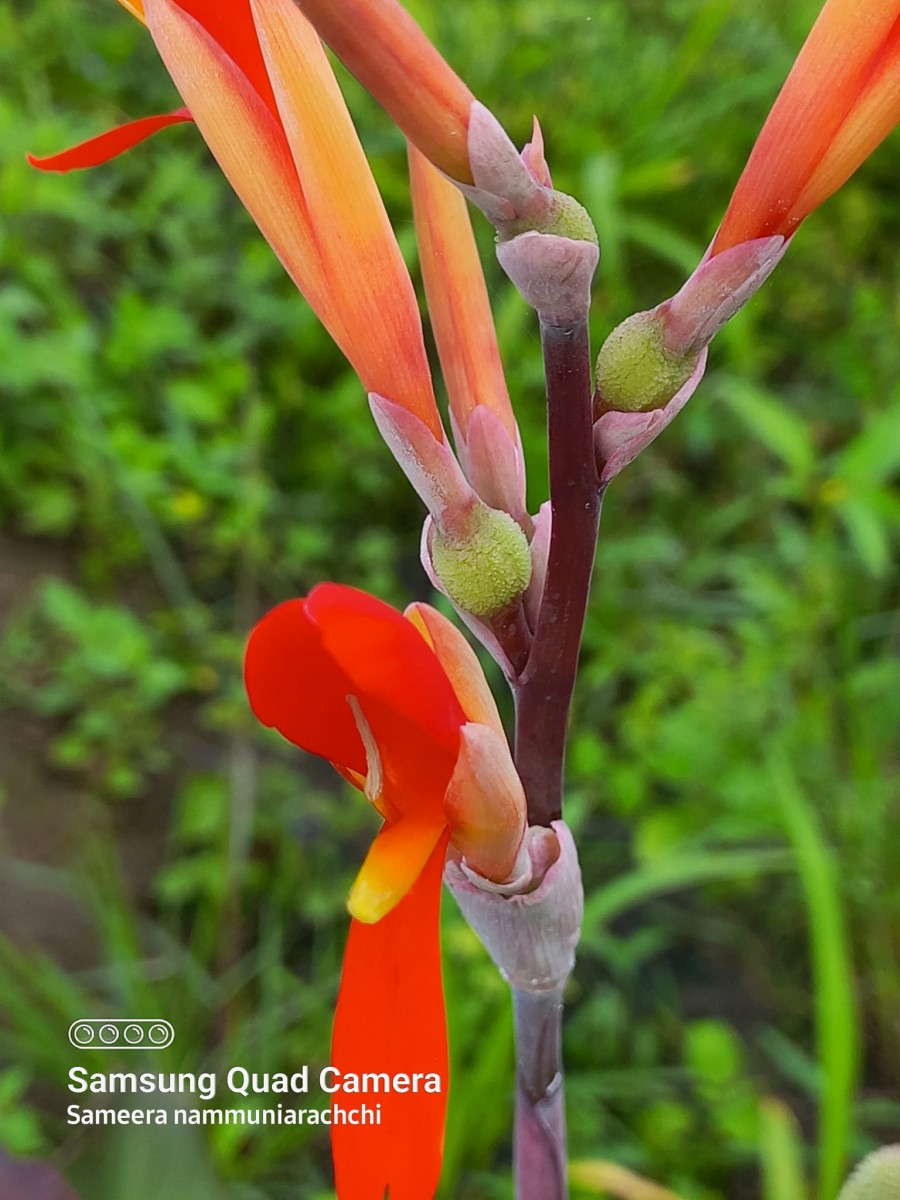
387, 658
295, 687
390, 1019
306, 657
231, 25
108, 145
402, 690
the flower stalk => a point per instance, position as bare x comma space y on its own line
543, 691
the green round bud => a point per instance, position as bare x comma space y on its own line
560, 214
568, 218
486, 569
876, 1178
635, 371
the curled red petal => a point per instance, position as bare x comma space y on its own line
390, 1019
101, 149
340, 671
402, 690
294, 686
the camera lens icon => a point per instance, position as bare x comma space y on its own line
136, 1034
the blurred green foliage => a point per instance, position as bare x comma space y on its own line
186, 447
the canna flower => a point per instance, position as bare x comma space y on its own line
840, 101
400, 707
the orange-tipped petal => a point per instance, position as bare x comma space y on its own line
485, 803
370, 284
390, 1018
136, 8
104, 146
395, 861
460, 663
819, 95
249, 145
393, 59
457, 297
874, 116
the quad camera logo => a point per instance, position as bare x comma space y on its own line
88, 1034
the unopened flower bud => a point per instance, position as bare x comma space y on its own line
487, 566
636, 371
876, 1178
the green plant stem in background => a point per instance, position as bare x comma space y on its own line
781, 1151
837, 1024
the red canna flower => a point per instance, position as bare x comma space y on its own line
401, 708
840, 101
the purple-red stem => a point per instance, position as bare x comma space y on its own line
543, 693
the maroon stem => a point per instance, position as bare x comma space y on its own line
543, 691
539, 1142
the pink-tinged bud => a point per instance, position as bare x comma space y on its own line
530, 926
619, 437
428, 463
533, 155
494, 463
380, 43
841, 99
547, 243
876, 1178
718, 288
553, 273
650, 365
540, 553
647, 359
511, 193
485, 804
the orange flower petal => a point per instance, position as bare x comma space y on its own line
136, 8
104, 146
249, 146
460, 662
390, 1018
394, 862
393, 59
369, 280
874, 115
824, 85
457, 297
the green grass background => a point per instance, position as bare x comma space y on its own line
181, 447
